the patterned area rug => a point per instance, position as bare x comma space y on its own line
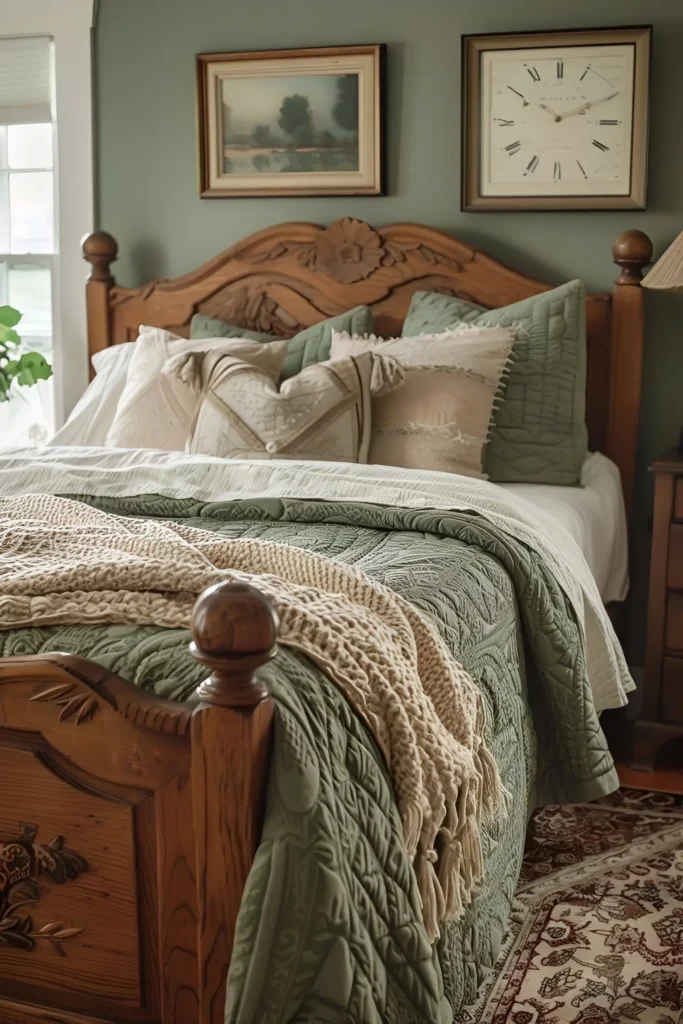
596, 935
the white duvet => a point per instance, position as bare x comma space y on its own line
118, 472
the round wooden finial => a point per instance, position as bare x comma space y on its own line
234, 630
632, 251
100, 250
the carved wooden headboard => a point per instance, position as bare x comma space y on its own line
291, 276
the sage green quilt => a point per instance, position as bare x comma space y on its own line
330, 927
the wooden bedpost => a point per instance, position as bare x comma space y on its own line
234, 629
100, 250
632, 251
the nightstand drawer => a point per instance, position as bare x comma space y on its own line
678, 500
674, 623
672, 689
675, 574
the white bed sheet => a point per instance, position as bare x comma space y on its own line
594, 515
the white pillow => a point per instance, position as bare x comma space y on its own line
440, 417
93, 415
153, 412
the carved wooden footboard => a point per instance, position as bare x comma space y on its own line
128, 825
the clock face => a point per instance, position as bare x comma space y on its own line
557, 121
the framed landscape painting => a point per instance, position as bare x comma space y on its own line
291, 122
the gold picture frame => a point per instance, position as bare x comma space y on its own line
305, 122
480, 191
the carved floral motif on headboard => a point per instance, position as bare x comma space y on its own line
350, 250
281, 296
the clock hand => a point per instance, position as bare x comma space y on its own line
576, 110
548, 110
525, 102
587, 106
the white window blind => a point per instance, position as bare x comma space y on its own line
27, 221
25, 80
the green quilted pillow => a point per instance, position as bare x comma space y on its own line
538, 434
307, 347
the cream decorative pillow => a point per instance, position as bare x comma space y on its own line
153, 411
440, 417
322, 413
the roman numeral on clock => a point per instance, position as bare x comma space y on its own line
532, 165
560, 69
605, 121
584, 75
503, 123
513, 148
581, 169
600, 145
534, 74
557, 170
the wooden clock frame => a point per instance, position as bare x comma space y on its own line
472, 48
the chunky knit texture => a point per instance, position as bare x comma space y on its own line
64, 562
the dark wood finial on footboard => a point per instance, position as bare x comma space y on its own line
234, 629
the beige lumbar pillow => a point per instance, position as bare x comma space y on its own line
440, 417
153, 412
323, 413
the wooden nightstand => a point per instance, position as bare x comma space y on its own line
661, 717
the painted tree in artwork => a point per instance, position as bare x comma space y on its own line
296, 118
345, 110
261, 135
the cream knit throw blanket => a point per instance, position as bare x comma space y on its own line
64, 562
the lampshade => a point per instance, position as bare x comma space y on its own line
667, 273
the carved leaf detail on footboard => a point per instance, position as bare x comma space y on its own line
72, 700
22, 862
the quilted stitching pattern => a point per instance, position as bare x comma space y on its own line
330, 927
306, 348
539, 433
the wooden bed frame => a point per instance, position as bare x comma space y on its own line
127, 823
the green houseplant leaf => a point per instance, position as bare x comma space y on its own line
9, 317
26, 368
31, 367
8, 336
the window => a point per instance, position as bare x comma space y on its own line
27, 222
46, 79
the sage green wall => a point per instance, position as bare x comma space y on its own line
147, 163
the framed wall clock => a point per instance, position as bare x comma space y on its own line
556, 120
